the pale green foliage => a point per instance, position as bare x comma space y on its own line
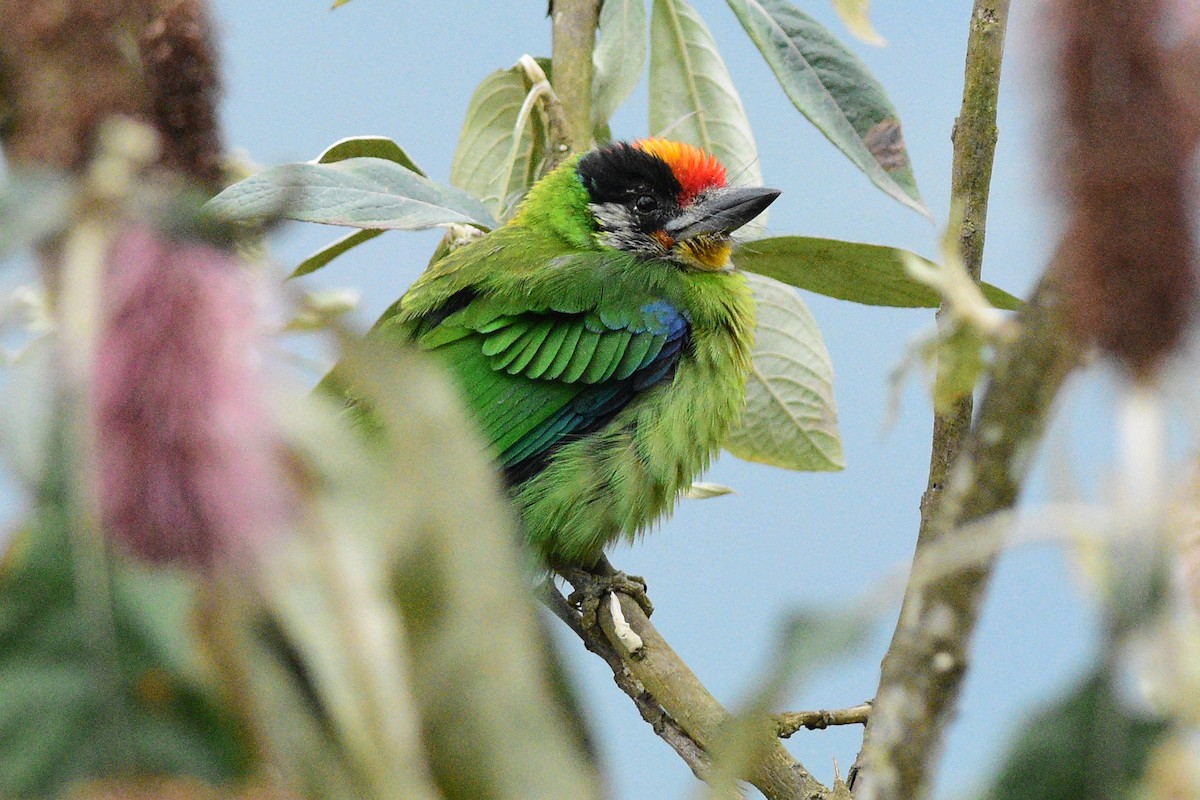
357, 192
791, 417
692, 97
855, 17
834, 89
619, 57
871, 274
502, 143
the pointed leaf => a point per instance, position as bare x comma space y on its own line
835, 90
496, 160
357, 192
854, 17
331, 251
692, 97
791, 417
619, 57
862, 273
700, 490
368, 147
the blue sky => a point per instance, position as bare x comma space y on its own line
724, 572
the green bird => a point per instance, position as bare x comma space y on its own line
600, 339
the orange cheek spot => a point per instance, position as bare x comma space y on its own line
664, 239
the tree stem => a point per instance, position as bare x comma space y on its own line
922, 672
574, 30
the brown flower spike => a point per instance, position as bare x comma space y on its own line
1128, 132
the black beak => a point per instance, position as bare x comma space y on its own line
721, 211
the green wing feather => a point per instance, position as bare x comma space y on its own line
531, 378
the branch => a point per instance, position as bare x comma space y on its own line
923, 669
789, 722
664, 727
574, 31
671, 697
973, 471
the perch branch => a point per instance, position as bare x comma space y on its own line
667, 690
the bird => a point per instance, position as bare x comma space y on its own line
600, 339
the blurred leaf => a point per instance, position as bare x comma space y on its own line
790, 419
862, 273
368, 147
808, 643
960, 361
854, 17
499, 153
331, 251
619, 57
33, 205
318, 308
1086, 746
836, 91
262, 667
479, 659
27, 396
706, 491
357, 192
338, 4
99, 670
692, 98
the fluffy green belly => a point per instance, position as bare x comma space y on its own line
622, 479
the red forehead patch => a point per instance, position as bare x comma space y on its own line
696, 170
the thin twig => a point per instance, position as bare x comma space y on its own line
665, 682
789, 722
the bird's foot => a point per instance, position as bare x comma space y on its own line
591, 589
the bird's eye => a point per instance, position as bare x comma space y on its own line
646, 203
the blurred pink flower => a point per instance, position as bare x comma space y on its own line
188, 460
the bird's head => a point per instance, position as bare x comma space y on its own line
667, 200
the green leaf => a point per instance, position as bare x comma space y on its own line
836, 91
619, 57
854, 17
368, 147
499, 153
331, 251
99, 671
357, 192
338, 4
354, 147
692, 97
790, 419
1085, 745
862, 273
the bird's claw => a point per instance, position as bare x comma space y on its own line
591, 590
